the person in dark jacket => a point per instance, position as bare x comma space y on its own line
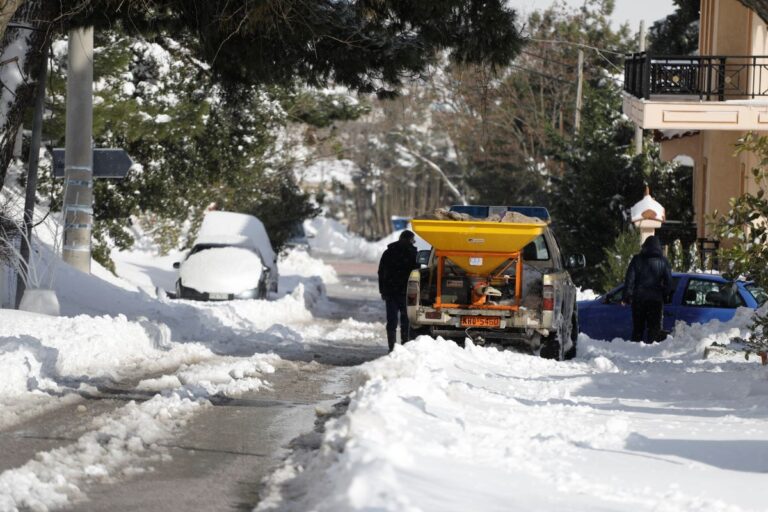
647, 283
396, 264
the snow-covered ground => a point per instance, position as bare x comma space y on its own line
625, 426
430, 427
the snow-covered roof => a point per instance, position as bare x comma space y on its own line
648, 208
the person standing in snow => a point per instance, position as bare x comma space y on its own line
647, 283
396, 264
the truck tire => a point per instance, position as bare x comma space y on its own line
571, 352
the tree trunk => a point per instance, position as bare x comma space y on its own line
8, 9
37, 14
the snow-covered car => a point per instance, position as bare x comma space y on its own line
232, 258
698, 298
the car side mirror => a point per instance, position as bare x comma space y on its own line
576, 261
176, 264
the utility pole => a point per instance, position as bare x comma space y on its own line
78, 156
34, 158
639, 129
579, 92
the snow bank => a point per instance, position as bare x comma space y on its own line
434, 427
299, 263
332, 238
42, 356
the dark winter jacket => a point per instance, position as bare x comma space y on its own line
396, 264
649, 276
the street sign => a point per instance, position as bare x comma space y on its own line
107, 163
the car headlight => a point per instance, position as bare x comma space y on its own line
247, 294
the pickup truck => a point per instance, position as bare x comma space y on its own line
506, 285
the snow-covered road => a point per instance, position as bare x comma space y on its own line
186, 405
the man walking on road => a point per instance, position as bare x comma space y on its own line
647, 283
396, 264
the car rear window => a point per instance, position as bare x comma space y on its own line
757, 292
712, 294
536, 250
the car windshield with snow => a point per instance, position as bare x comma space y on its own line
697, 298
232, 258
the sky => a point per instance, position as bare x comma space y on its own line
631, 11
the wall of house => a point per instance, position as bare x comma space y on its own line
725, 28
689, 145
721, 173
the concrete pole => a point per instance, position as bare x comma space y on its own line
34, 158
579, 92
639, 129
78, 152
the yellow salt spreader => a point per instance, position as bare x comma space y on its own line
485, 251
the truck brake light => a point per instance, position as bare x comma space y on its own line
548, 295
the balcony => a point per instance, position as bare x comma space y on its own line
697, 92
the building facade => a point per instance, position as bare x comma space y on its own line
700, 106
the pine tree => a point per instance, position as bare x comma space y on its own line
617, 258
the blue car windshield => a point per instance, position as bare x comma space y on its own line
757, 292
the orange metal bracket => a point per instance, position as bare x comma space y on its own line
516, 256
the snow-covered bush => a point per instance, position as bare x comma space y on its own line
745, 233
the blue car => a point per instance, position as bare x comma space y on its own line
698, 298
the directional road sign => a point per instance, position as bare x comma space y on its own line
107, 163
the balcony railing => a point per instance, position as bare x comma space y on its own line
707, 77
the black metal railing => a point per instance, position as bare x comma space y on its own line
708, 77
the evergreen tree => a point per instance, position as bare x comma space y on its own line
367, 46
617, 257
197, 144
601, 180
678, 33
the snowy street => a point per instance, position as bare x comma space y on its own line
245, 405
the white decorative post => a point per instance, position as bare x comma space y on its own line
647, 215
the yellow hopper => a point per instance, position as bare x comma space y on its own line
478, 247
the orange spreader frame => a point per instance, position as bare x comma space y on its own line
514, 257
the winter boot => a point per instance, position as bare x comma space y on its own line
391, 340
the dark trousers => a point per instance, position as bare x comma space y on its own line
395, 306
647, 314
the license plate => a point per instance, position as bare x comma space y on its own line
218, 296
480, 321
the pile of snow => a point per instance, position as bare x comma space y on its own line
300, 264
626, 426
586, 294
331, 237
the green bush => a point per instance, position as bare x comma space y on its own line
617, 258
744, 235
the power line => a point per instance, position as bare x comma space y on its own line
528, 70
600, 51
546, 59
